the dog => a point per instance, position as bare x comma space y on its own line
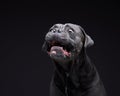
74, 73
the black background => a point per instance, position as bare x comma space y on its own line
26, 71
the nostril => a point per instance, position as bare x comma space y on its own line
56, 31
59, 31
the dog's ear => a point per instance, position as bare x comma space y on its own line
87, 39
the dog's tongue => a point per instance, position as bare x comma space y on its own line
58, 50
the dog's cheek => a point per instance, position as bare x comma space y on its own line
72, 36
79, 44
48, 36
80, 47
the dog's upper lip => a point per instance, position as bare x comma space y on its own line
66, 44
56, 43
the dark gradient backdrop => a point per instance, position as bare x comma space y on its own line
26, 71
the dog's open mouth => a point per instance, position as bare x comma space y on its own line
59, 48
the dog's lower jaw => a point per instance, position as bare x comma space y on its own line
64, 61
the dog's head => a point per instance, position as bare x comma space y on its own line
64, 41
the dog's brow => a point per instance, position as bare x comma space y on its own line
55, 26
69, 27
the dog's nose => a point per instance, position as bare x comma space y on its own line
56, 31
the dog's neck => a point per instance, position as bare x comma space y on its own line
66, 66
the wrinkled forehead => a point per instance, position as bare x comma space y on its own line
74, 27
60, 26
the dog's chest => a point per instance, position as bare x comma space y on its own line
72, 80
72, 84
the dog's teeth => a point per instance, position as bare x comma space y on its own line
61, 48
53, 52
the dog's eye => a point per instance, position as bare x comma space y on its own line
70, 31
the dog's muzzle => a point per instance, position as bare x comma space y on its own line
58, 45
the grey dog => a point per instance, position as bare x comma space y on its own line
74, 74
